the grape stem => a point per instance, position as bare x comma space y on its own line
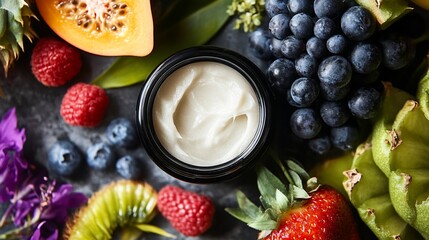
422, 38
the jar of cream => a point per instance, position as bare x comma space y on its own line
204, 114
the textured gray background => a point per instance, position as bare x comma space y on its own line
38, 112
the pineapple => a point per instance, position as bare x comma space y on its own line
15, 24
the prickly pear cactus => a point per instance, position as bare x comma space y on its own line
393, 101
367, 187
409, 179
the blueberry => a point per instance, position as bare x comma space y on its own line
259, 43
365, 58
100, 156
328, 8
306, 66
337, 44
397, 51
320, 144
274, 7
128, 167
64, 158
300, 6
121, 132
316, 47
346, 137
364, 102
279, 26
304, 91
281, 73
358, 24
335, 71
301, 25
334, 114
330, 93
291, 102
305, 123
292, 47
324, 28
275, 47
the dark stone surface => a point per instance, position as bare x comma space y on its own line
38, 112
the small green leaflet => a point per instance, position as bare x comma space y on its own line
386, 11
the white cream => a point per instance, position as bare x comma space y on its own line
205, 113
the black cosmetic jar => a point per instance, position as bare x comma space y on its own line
244, 161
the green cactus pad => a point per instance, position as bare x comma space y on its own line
409, 179
368, 191
393, 101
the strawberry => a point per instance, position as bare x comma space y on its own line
190, 213
84, 105
300, 209
55, 62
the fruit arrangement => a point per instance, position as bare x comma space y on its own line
328, 62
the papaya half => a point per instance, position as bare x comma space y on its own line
103, 27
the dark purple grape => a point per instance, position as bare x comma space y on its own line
320, 144
275, 47
300, 6
259, 43
337, 44
274, 7
335, 71
328, 8
305, 123
358, 24
330, 93
365, 58
324, 28
291, 102
316, 47
346, 137
281, 73
292, 47
306, 66
365, 102
301, 25
279, 26
334, 114
304, 91
397, 51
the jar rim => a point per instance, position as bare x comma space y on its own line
213, 173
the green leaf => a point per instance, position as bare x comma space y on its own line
14, 8
247, 206
386, 11
263, 222
292, 165
282, 201
296, 179
300, 193
268, 184
195, 29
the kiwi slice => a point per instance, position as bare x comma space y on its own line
367, 187
124, 204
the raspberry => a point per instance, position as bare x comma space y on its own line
190, 213
84, 105
55, 62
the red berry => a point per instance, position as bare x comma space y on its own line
190, 213
55, 62
84, 105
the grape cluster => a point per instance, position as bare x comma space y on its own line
327, 61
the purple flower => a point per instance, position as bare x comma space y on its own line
45, 231
60, 201
12, 165
35, 202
